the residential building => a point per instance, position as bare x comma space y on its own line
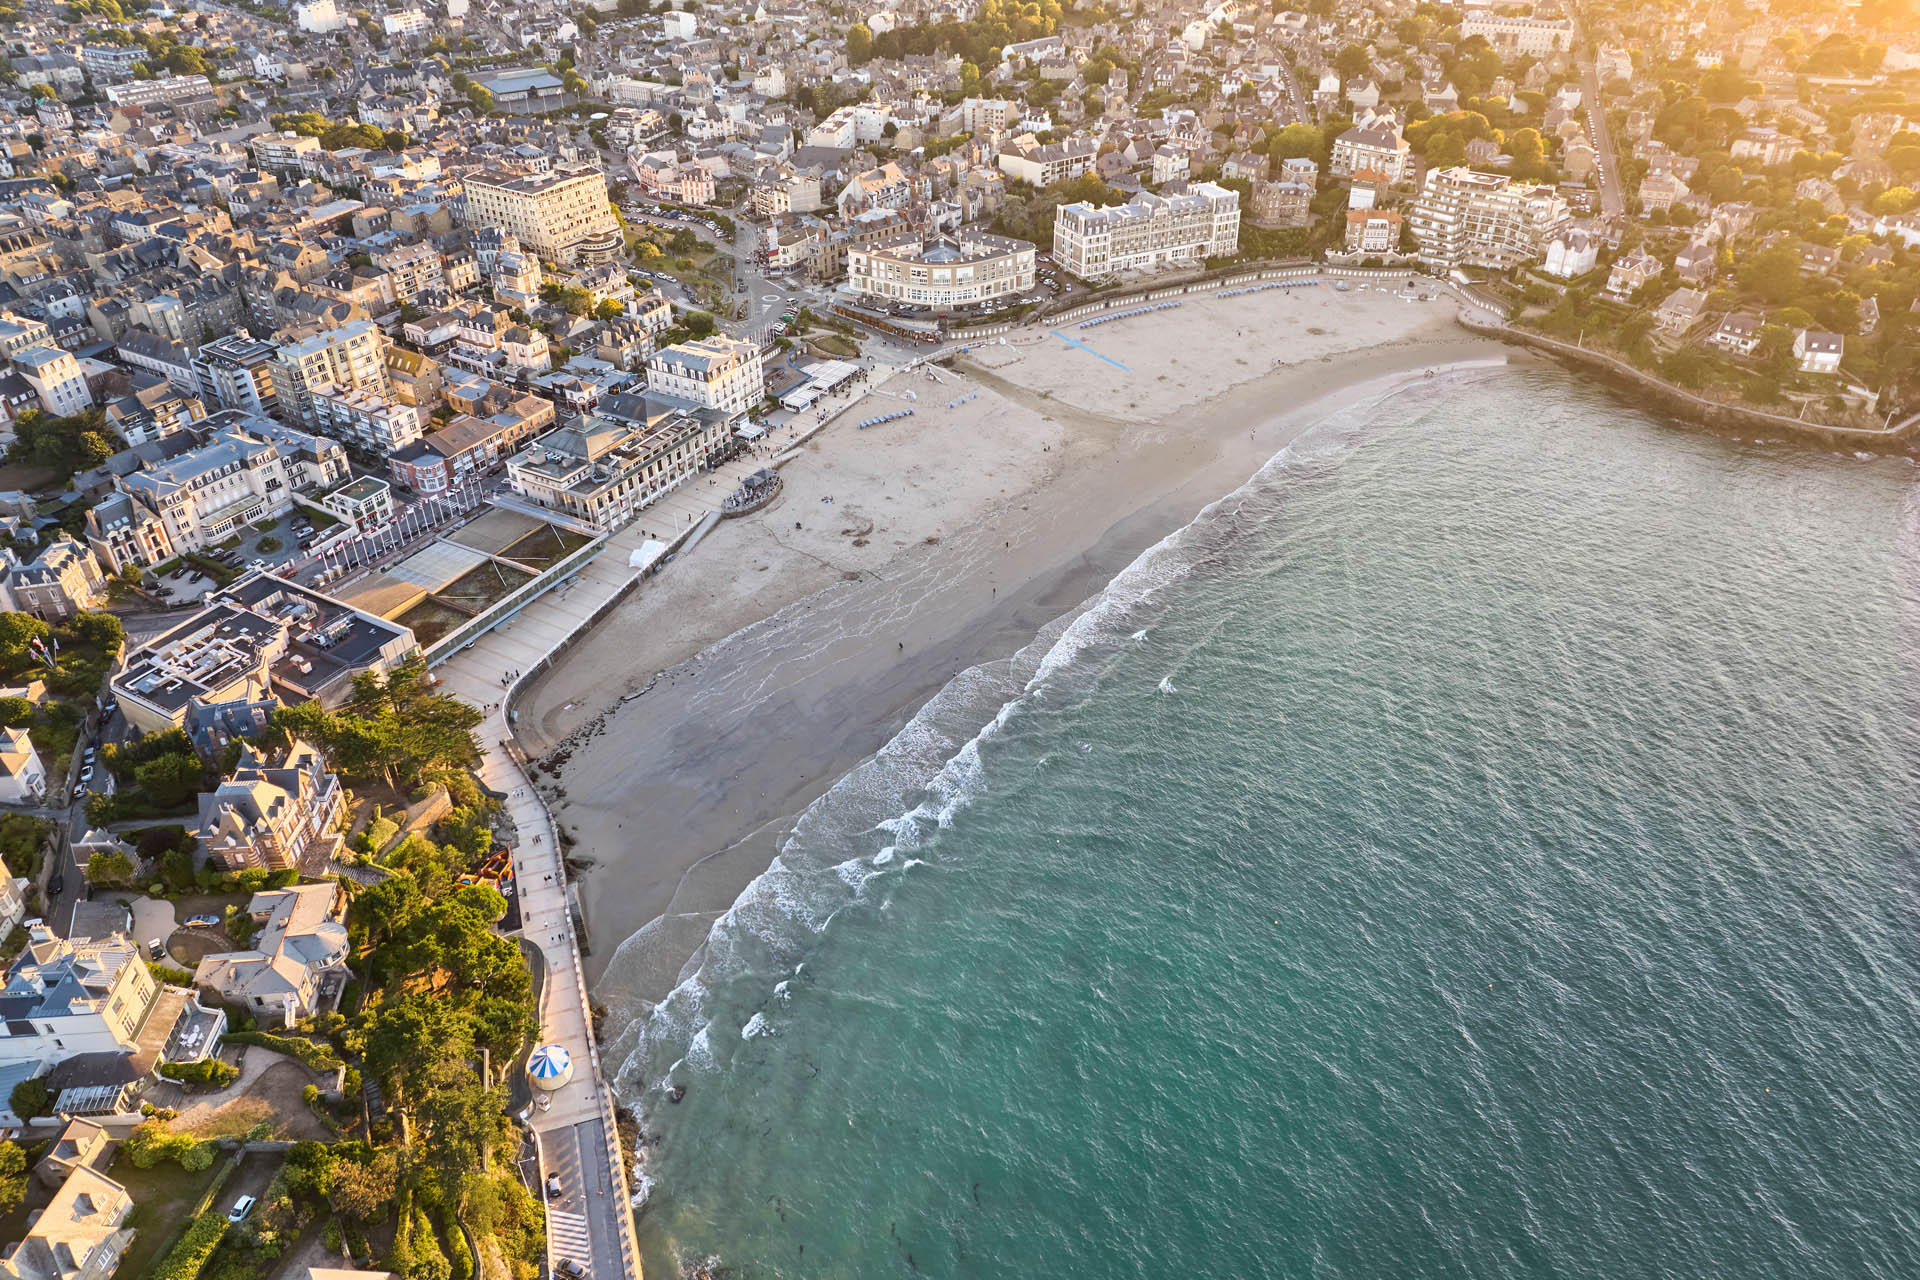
261, 634
299, 940
1377, 147
1682, 310
562, 215
80, 1235
1373, 231
1464, 218
66, 997
942, 271
1572, 254
64, 579
349, 363
604, 472
56, 378
1282, 204
1516, 36
235, 371
718, 373
1041, 164
364, 503
1818, 351
23, 778
1739, 333
153, 93
1147, 232
1632, 272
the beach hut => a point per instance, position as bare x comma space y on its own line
550, 1066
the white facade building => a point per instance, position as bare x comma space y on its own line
719, 373
1147, 232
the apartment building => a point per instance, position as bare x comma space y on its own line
17, 333
562, 215
1148, 232
1373, 147
262, 634
56, 378
604, 471
1468, 219
1513, 36
415, 268
235, 371
338, 361
718, 373
149, 93
942, 271
275, 813
68, 997
376, 421
299, 939
285, 152
1041, 164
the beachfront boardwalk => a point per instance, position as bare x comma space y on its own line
589, 1221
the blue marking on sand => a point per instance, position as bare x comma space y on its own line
1089, 350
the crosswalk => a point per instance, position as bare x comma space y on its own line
567, 1238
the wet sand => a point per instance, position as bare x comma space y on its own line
785, 657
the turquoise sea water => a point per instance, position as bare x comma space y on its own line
1481, 847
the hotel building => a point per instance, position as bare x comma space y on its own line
1147, 232
562, 215
942, 271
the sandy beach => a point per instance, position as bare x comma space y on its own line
794, 643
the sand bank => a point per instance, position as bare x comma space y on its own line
792, 644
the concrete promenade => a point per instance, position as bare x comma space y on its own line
589, 1220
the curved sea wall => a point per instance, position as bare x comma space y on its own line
1713, 415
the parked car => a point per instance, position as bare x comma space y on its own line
202, 922
241, 1208
157, 949
57, 885
569, 1267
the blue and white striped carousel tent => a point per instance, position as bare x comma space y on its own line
550, 1066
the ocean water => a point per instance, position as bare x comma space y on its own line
1480, 847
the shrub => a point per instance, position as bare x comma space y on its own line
208, 1071
378, 835
168, 974
316, 1057
189, 1256
331, 1237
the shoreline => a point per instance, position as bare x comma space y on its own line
761, 703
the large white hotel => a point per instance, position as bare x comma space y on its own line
1147, 232
941, 271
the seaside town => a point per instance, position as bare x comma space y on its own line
358, 358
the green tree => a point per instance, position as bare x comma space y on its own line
17, 632
13, 1176
362, 1189
1773, 273
110, 867
859, 44
31, 1098
1352, 63
170, 780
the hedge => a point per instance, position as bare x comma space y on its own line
316, 1057
209, 1071
187, 1258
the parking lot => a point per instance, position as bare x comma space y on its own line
271, 544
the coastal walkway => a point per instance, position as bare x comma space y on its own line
590, 1220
